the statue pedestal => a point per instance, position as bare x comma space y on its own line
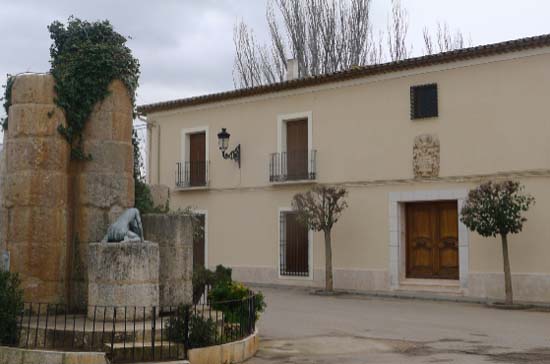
123, 275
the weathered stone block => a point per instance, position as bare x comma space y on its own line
123, 274
99, 126
160, 195
174, 235
36, 290
122, 125
39, 120
33, 88
109, 157
105, 190
109, 125
118, 99
36, 188
92, 223
30, 154
43, 261
36, 224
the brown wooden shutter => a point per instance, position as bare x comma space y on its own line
197, 159
297, 149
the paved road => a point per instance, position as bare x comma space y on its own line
302, 328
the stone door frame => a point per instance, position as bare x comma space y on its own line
397, 232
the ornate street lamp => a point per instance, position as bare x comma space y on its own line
223, 143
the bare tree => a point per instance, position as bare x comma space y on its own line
319, 209
324, 36
398, 27
445, 39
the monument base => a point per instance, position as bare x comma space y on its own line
123, 280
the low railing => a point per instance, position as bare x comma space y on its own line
293, 166
130, 334
192, 174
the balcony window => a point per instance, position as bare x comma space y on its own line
193, 170
295, 160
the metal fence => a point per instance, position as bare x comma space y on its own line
192, 174
293, 166
136, 333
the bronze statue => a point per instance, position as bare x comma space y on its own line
126, 228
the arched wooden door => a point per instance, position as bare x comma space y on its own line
432, 240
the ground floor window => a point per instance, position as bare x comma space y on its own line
294, 246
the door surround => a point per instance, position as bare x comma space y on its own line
397, 232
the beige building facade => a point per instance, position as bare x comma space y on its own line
407, 172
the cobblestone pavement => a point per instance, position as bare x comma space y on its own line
302, 328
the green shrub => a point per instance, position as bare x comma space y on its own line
203, 277
11, 305
202, 331
226, 298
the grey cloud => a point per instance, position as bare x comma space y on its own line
185, 46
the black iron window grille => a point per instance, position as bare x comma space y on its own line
296, 165
293, 246
424, 103
192, 174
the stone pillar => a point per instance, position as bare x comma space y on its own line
122, 275
35, 191
174, 235
104, 186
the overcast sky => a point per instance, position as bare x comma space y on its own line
185, 47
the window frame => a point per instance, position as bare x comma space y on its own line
414, 101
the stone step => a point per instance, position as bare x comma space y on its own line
431, 287
145, 353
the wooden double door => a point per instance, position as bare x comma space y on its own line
432, 240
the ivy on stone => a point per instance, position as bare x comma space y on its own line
85, 58
7, 100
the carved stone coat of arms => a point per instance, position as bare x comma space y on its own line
426, 156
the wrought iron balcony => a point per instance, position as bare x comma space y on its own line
192, 174
298, 165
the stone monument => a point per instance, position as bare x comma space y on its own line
55, 211
123, 271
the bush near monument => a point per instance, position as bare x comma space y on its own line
11, 305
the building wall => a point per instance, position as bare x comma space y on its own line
492, 123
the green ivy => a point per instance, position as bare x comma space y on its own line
7, 100
85, 58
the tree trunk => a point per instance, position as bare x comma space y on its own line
507, 273
328, 263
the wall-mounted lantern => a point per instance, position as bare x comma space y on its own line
223, 143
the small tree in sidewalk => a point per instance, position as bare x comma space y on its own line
497, 209
319, 209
